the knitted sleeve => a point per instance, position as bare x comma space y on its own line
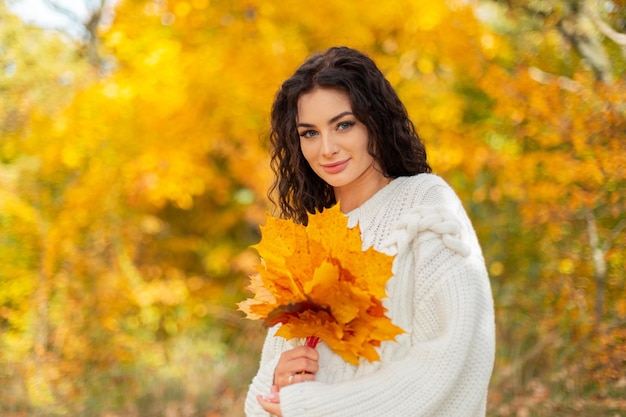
262, 382
445, 369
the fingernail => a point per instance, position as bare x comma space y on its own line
269, 397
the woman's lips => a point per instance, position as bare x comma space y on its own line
335, 167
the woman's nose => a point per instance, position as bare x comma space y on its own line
329, 146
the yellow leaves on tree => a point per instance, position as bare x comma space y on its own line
318, 281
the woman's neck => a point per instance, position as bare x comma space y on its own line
359, 191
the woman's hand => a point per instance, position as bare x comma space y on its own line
295, 365
271, 402
299, 364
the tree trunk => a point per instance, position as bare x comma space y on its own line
580, 30
599, 267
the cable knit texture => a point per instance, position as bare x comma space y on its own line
439, 294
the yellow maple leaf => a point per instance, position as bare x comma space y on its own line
317, 281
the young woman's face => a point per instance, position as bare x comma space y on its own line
332, 140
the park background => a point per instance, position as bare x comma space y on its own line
134, 171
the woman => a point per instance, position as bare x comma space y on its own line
341, 134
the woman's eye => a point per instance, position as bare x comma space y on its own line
308, 133
345, 125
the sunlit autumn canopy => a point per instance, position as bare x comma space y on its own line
134, 169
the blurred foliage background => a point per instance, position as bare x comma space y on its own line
134, 171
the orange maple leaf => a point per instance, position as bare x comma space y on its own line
318, 281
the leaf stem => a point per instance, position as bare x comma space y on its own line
311, 341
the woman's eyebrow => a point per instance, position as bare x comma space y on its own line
330, 122
339, 116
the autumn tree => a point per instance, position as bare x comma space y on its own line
129, 195
555, 128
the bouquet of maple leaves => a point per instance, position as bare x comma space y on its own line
320, 284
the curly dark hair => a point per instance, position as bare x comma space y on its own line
393, 141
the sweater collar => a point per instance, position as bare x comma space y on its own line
369, 208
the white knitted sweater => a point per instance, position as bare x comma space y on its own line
439, 294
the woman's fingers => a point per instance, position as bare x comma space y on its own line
300, 377
296, 365
269, 406
301, 352
271, 402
